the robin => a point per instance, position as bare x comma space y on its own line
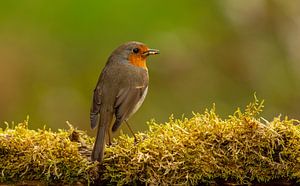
120, 91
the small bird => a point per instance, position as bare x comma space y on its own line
120, 91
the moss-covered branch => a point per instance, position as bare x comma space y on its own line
241, 149
45, 156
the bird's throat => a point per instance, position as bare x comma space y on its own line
138, 61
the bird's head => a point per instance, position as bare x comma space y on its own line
135, 53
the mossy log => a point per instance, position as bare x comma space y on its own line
202, 150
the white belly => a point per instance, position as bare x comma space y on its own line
139, 103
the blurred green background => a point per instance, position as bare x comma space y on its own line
52, 52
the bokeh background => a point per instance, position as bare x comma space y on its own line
52, 52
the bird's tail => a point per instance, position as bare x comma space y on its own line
104, 123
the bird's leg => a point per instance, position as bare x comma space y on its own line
135, 139
108, 136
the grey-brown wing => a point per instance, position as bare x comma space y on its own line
126, 103
95, 108
97, 96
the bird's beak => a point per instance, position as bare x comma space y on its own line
151, 52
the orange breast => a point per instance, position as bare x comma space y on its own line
138, 61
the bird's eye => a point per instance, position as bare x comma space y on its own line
136, 50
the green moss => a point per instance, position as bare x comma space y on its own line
241, 149
45, 156
204, 149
